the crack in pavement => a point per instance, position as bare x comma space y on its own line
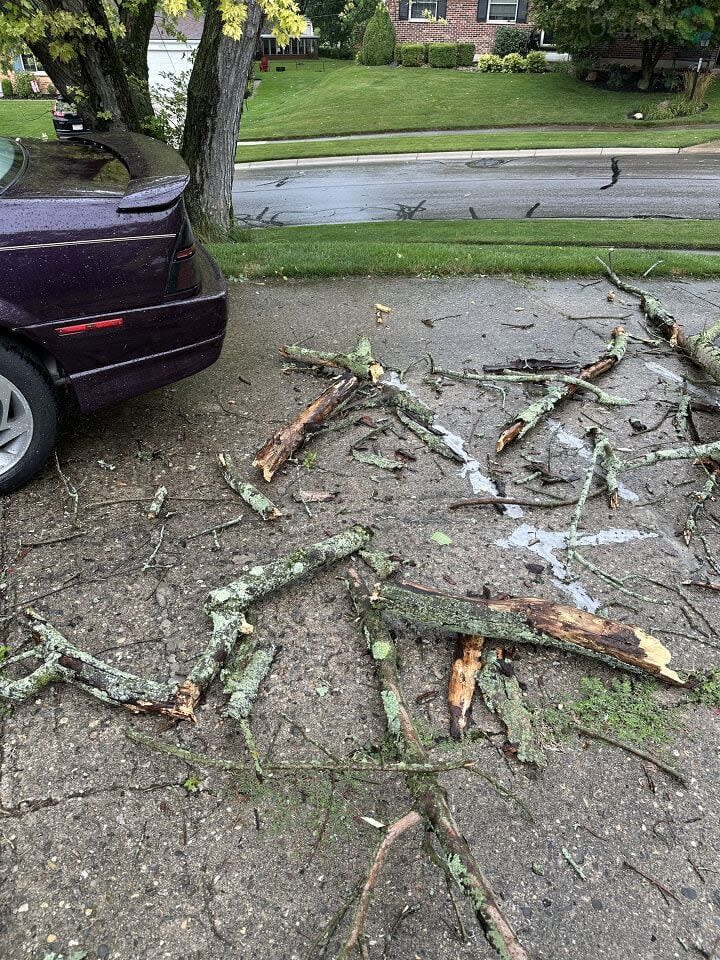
532, 210
615, 167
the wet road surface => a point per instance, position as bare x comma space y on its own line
489, 188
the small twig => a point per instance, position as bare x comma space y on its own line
576, 866
216, 529
393, 833
150, 560
636, 751
666, 892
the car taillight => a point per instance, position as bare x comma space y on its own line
59, 114
183, 275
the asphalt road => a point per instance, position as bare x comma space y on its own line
516, 188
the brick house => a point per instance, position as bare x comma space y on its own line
26, 63
468, 21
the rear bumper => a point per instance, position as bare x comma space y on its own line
155, 346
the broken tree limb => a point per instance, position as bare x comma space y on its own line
528, 620
283, 444
254, 498
241, 681
429, 797
227, 606
62, 661
430, 438
525, 421
551, 378
463, 674
503, 697
700, 349
360, 363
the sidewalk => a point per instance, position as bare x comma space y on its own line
711, 148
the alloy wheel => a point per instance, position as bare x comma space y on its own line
16, 425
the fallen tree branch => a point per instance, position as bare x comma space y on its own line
503, 697
392, 833
553, 378
528, 620
528, 419
283, 444
463, 677
700, 349
360, 363
254, 498
635, 751
429, 798
227, 607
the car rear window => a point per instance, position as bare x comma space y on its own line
70, 169
11, 163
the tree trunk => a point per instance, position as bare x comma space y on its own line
138, 23
97, 72
214, 105
652, 50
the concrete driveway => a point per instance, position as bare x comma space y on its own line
371, 190
102, 848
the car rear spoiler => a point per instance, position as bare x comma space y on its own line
158, 174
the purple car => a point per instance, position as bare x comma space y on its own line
104, 292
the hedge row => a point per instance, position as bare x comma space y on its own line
534, 62
444, 55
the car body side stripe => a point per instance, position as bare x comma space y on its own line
77, 243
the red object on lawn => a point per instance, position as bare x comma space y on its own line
264, 64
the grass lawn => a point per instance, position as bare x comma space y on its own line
325, 97
650, 137
447, 248
26, 118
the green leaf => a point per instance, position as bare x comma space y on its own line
442, 539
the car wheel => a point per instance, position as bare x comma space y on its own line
28, 417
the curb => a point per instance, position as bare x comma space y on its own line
467, 155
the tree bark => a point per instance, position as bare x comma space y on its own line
138, 22
214, 105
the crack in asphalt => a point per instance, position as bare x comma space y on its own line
532, 210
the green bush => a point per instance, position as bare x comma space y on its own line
680, 106
510, 40
535, 62
378, 46
7, 87
22, 86
411, 54
465, 54
514, 63
335, 53
442, 55
489, 63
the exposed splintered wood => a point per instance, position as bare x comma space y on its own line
254, 498
59, 660
529, 418
283, 444
528, 620
429, 797
700, 349
467, 661
503, 696
360, 363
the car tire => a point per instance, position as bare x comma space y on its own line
29, 417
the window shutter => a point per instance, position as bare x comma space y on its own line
442, 9
522, 11
482, 11
404, 11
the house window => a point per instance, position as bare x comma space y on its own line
502, 12
30, 64
547, 41
423, 9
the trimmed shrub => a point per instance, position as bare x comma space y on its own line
535, 62
510, 40
411, 54
465, 54
442, 55
514, 63
22, 86
378, 46
7, 87
336, 53
489, 63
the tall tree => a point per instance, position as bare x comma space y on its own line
580, 25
